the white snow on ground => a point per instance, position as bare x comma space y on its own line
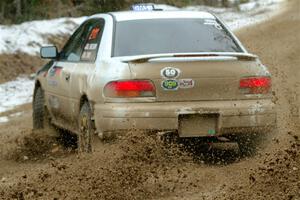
30, 36
3, 119
16, 114
245, 14
238, 17
15, 93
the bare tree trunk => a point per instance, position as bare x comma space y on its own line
18, 5
225, 3
2, 12
59, 8
214, 3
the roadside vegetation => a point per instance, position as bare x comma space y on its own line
17, 11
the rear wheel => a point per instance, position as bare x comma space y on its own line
86, 137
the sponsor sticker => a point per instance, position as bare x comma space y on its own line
211, 132
170, 72
186, 83
55, 71
90, 46
170, 84
52, 83
52, 72
87, 55
94, 33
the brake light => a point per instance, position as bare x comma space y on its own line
129, 89
255, 85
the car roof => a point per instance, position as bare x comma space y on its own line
136, 15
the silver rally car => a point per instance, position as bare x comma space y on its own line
172, 71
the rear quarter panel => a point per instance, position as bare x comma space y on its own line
106, 68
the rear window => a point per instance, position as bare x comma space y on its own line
155, 36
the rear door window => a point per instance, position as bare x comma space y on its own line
72, 50
84, 43
93, 41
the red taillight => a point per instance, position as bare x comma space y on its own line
255, 85
129, 88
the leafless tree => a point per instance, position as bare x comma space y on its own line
18, 5
3, 4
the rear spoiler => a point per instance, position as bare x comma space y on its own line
183, 57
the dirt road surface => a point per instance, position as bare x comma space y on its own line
139, 166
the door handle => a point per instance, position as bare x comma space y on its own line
67, 76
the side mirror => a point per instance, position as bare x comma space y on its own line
49, 52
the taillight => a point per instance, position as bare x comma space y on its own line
255, 85
129, 89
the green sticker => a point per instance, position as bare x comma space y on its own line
211, 132
170, 84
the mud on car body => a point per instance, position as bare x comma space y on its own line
173, 71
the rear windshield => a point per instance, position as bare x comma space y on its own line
155, 36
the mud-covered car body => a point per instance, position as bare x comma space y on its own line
177, 71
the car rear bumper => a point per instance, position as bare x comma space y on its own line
233, 116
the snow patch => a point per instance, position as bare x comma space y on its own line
245, 14
15, 93
28, 37
248, 6
17, 114
3, 119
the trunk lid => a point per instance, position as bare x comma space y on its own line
195, 77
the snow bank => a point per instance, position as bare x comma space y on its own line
3, 119
245, 14
28, 37
15, 93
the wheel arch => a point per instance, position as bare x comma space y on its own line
84, 98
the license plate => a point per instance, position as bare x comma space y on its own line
196, 125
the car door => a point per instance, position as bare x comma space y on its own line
85, 69
60, 75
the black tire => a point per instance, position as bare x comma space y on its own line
86, 137
40, 115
